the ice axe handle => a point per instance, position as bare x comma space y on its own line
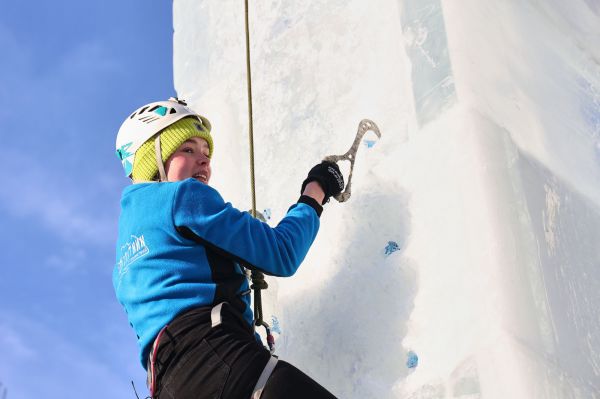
364, 126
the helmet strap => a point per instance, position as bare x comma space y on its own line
159, 162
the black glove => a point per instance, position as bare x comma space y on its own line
329, 177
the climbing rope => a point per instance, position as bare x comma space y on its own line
250, 119
258, 278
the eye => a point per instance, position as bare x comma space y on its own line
189, 150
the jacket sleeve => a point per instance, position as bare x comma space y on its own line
201, 214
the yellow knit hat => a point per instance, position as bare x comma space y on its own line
171, 137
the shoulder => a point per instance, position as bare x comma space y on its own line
195, 196
148, 191
193, 188
184, 186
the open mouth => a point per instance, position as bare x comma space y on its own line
200, 177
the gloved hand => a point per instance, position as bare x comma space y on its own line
329, 177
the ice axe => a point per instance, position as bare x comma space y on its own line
364, 126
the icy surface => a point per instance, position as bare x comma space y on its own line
471, 239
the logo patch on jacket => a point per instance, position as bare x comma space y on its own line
130, 252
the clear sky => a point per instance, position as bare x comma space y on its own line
70, 72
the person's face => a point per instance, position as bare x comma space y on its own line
189, 160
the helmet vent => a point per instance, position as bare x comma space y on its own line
173, 111
142, 110
148, 119
159, 110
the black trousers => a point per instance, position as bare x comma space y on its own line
197, 361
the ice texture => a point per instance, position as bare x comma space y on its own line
487, 175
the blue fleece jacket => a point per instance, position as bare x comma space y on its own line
180, 246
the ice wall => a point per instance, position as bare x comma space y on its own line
486, 178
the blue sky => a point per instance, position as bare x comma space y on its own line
70, 72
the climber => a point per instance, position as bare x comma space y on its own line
181, 254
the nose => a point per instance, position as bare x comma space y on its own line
202, 159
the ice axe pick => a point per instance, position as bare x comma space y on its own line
364, 126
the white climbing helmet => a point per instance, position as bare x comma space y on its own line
147, 121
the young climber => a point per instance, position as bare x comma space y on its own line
181, 254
